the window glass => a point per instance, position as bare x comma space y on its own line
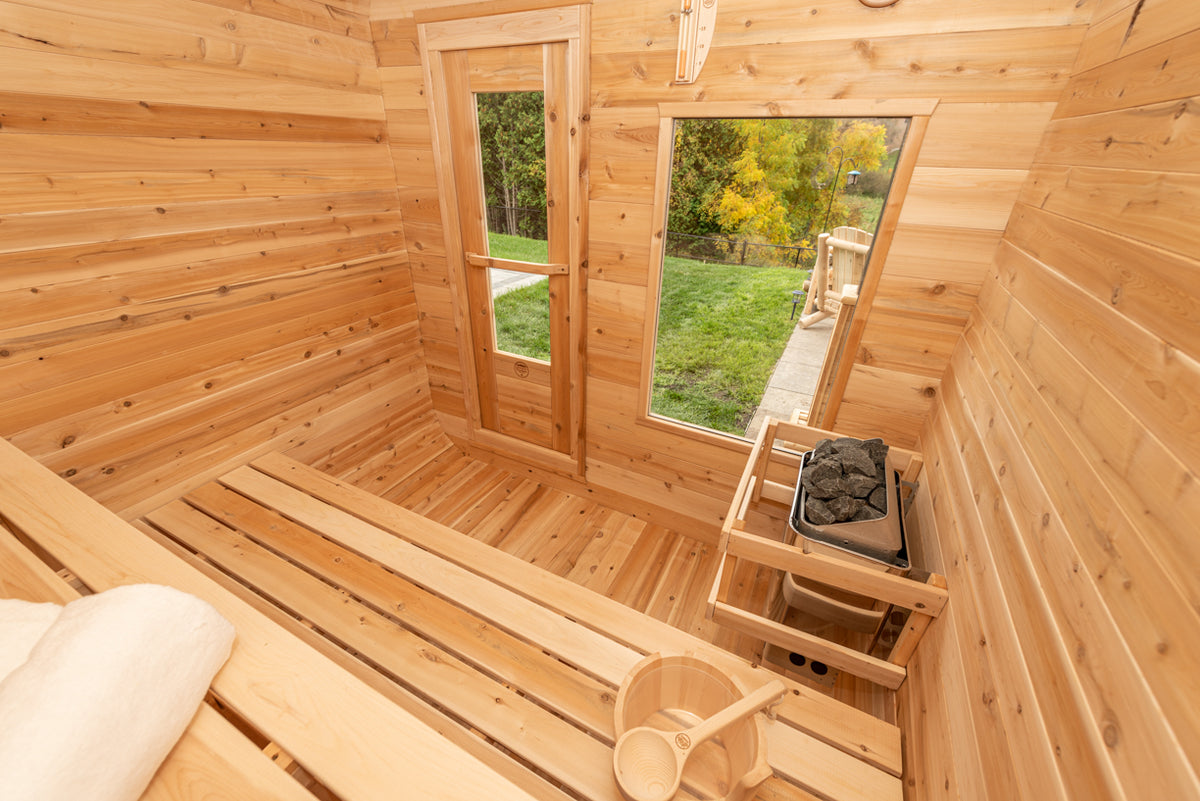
749, 201
513, 150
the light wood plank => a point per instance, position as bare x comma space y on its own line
857, 733
984, 135
507, 69
628, 29
832, 654
1158, 74
597, 655
49, 73
1130, 203
554, 24
104, 552
557, 747
963, 197
533, 268
907, 66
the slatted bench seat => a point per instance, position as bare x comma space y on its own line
212, 759
351, 737
512, 665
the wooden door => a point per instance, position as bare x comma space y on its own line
523, 403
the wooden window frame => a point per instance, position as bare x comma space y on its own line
917, 110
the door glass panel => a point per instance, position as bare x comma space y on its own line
513, 151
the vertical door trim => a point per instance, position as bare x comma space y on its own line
563, 32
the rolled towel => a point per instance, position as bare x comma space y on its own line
105, 694
22, 624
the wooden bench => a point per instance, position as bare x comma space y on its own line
356, 742
482, 655
837, 273
212, 754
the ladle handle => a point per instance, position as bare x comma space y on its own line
763, 696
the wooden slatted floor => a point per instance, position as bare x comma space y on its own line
515, 664
645, 566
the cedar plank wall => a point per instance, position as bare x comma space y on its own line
200, 240
997, 68
1065, 450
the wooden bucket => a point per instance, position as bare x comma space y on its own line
673, 693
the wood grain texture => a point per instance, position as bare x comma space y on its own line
1064, 442
202, 243
222, 235
990, 111
260, 679
610, 637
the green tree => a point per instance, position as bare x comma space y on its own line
783, 178
768, 194
864, 143
512, 141
703, 165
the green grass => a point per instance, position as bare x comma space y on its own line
518, 248
721, 330
523, 315
523, 321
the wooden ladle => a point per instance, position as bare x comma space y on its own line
648, 762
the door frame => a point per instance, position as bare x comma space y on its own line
439, 42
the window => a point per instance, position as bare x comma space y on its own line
749, 201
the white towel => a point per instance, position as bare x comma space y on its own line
106, 693
22, 624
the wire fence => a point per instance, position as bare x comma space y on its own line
738, 252
531, 224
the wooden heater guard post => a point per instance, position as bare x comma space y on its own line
765, 480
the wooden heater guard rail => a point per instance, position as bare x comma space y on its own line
925, 598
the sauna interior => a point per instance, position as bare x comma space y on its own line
239, 353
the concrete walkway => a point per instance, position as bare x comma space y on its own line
795, 376
507, 280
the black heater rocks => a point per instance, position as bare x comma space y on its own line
846, 480
847, 498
